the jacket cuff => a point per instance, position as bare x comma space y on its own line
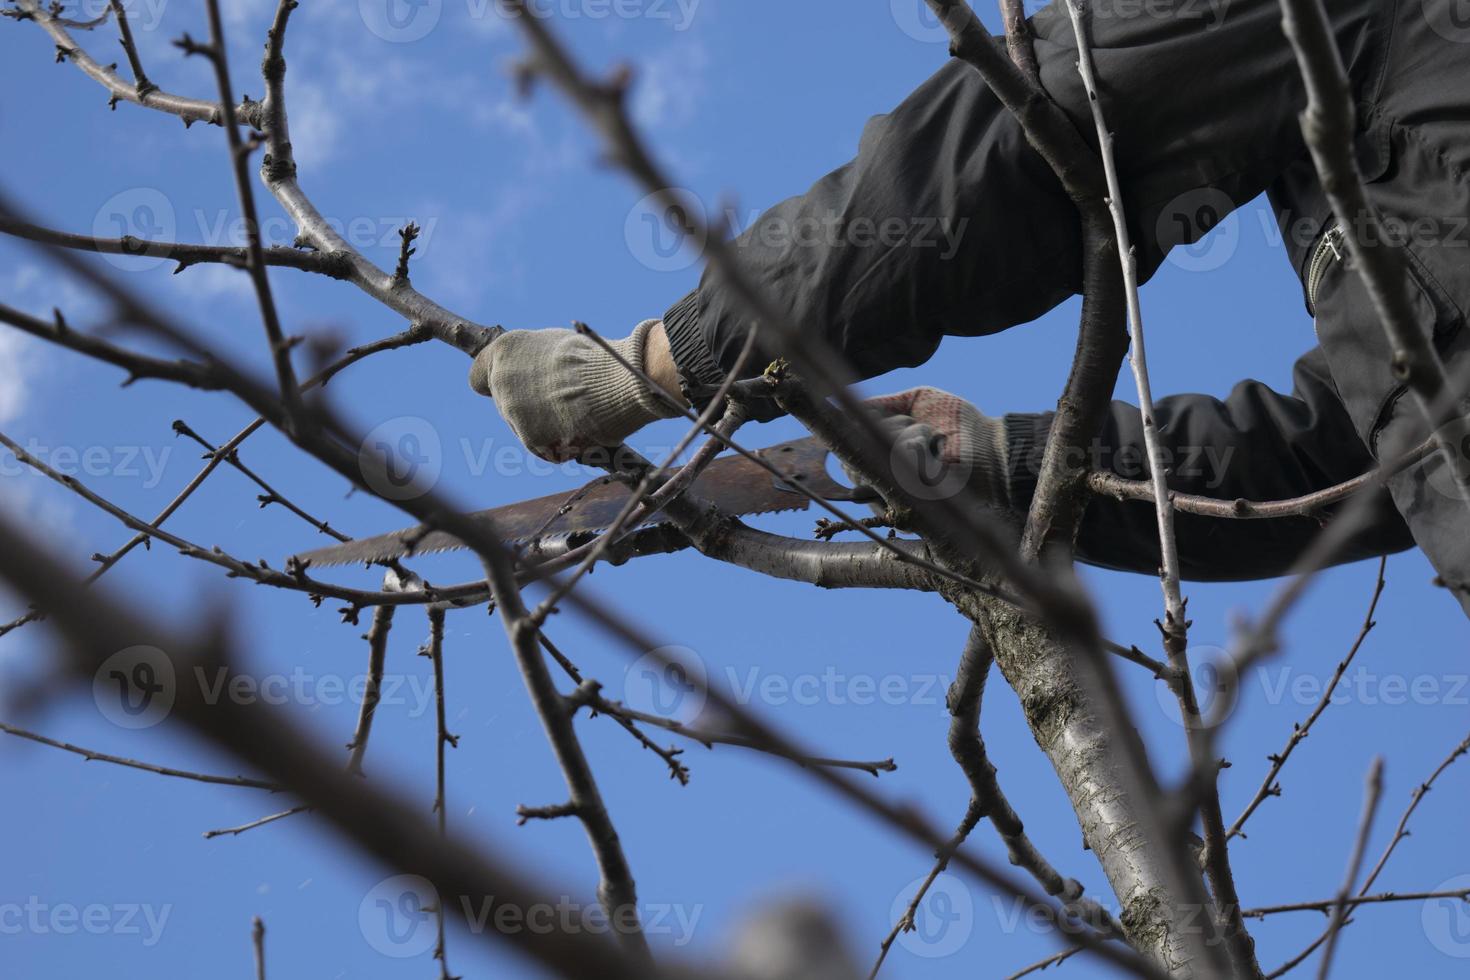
699, 375
1026, 436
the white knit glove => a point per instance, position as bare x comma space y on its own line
947, 442
562, 394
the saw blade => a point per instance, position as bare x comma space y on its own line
734, 484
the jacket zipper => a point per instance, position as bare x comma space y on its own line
1329, 249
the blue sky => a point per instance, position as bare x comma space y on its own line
750, 101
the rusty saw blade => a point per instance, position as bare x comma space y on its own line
732, 483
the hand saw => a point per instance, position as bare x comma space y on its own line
734, 484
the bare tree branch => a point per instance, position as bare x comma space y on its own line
1355, 863
257, 928
272, 818
1269, 786
1399, 833
443, 740
94, 756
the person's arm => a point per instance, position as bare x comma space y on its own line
1257, 444
948, 223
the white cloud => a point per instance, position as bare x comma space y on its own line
14, 369
207, 283
670, 85
315, 124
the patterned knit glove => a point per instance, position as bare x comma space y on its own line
562, 394
946, 442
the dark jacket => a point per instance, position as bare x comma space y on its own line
1203, 98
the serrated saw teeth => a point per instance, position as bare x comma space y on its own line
734, 484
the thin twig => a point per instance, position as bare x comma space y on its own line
1269, 786
443, 740
270, 317
272, 818
1313, 504
1372, 794
1043, 964
377, 641
589, 695
92, 755
140, 78
1400, 832
1353, 901
257, 928
271, 494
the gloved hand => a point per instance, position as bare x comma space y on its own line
562, 394
947, 442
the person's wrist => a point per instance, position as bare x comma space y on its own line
619, 401
659, 364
